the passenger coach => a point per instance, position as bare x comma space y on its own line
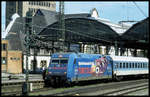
129, 66
74, 67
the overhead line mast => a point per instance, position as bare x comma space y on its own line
62, 23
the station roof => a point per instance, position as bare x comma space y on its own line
138, 32
79, 28
138, 35
82, 29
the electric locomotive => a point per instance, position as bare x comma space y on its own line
74, 67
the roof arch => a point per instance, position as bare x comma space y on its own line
138, 32
82, 30
137, 36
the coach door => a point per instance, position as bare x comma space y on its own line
75, 70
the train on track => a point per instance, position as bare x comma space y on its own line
76, 67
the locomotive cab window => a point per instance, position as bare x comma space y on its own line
63, 61
74, 61
55, 62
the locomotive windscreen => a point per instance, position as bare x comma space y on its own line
59, 62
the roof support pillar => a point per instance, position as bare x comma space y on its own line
135, 52
116, 48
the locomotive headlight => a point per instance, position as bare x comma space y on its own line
49, 72
65, 72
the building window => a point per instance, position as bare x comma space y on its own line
43, 64
37, 3
49, 4
29, 9
32, 62
4, 47
53, 5
30, 3
43, 4
3, 60
41, 51
11, 58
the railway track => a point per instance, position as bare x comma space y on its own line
96, 89
121, 88
15, 87
124, 91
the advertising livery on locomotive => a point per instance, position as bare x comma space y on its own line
74, 67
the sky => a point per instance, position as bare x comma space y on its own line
113, 11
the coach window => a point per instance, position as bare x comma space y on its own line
117, 65
130, 66
126, 65
138, 65
144, 65
123, 65
141, 65
120, 65
135, 65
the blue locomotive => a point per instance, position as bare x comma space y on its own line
74, 67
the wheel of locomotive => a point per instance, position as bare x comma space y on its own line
46, 83
52, 82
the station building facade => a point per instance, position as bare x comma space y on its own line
21, 7
4, 55
45, 19
11, 60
